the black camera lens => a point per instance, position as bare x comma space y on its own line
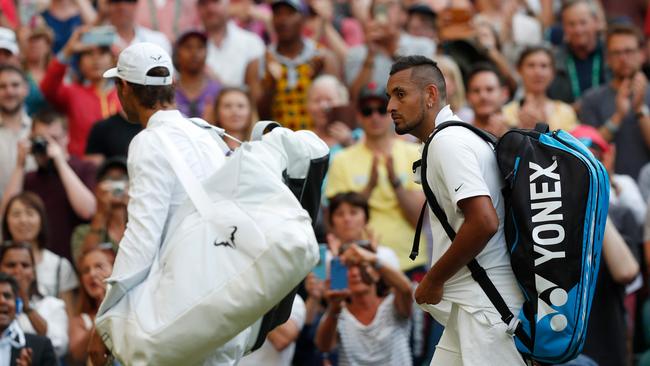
39, 146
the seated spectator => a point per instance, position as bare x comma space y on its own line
234, 112
325, 93
455, 87
486, 95
121, 14
280, 344
369, 320
230, 48
25, 222
379, 167
109, 223
110, 138
15, 124
580, 59
87, 100
37, 51
620, 109
42, 314
95, 266
63, 182
194, 87
536, 69
279, 81
18, 347
64, 16
385, 41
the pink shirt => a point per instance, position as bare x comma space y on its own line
167, 21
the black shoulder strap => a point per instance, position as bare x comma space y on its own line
478, 273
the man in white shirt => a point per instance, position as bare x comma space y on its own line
463, 174
144, 76
15, 124
230, 48
122, 16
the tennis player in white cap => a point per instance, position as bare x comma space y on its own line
144, 76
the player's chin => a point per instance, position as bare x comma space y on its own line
402, 128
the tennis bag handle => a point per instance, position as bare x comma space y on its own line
478, 273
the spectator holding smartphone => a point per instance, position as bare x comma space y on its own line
88, 99
371, 62
109, 223
368, 320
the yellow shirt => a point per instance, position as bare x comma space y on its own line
350, 171
562, 117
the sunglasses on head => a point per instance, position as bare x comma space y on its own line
367, 111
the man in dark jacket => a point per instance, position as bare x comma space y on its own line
16, 347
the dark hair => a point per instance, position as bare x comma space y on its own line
13, 245
567, 4
49, 116
15, 69
534, 49
32, 201
480, 67
425, 72
624, 30
351, 198
85, 303
149, 96
7, 278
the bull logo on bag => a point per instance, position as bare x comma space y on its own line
230, 242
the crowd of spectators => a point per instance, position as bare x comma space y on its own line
578, 65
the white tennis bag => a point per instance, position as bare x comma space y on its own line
238, 245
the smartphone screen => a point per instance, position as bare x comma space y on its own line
338, 275
380, 13
320, 270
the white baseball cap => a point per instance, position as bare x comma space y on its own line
137, 60
8, 40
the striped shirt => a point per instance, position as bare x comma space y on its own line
382, 342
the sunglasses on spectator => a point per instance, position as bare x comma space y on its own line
367, 111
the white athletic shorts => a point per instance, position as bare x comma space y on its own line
477, 339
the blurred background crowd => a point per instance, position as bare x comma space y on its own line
322, 65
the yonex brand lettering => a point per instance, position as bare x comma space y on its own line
549, 230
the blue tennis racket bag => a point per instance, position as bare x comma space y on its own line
556, 199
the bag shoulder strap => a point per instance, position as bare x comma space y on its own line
261, 128
478, 273
190, 184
